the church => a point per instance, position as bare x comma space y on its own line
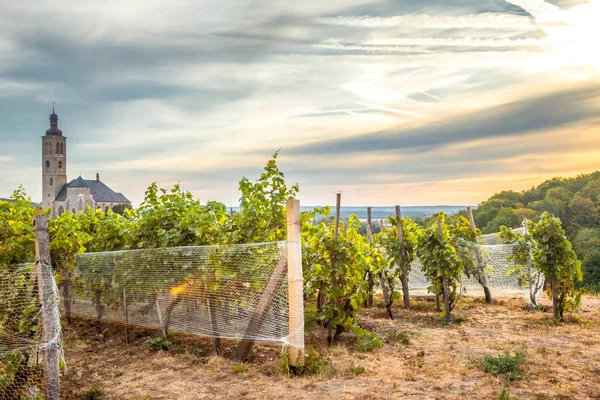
60, 196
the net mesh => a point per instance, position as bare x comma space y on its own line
503, 274
30, 334
236, 292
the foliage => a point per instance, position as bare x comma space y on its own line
398, 255
336, 269
93, 394
555, 257
356, 369
157, 343
314, 364
16, 228
504, 364
239, 368
440, 260
399, 337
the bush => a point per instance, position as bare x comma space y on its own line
399, 337
93, 394
239, 368
313, 364
158, 343
504, 364
356, 370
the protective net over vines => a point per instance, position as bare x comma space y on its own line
237, 291
30, 335
504, 274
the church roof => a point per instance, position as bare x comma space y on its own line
53, 130
99, 191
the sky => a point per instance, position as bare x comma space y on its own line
414, 102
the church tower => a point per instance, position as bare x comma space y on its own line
54, 162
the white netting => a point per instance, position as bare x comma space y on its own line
30, 334
494, 238
237, 291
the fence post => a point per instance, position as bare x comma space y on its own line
480, 265
50, 320
446, 293
404, 267
295, 283
370, 278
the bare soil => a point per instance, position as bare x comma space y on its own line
439, 362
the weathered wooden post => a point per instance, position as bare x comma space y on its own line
444, 281
295, 283
51, 323
336, 233
370, 279
482, 277
404, 267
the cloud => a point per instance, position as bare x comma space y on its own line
510, 119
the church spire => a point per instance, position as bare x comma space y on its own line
53, 124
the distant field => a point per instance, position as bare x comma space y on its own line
438, 362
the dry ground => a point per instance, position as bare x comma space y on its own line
440, 362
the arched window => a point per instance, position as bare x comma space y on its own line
61, 210
47, 164
62, 148
51, 181
106, 209
73, 210
57, 148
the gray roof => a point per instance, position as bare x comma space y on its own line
98, 190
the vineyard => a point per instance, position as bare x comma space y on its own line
179, 276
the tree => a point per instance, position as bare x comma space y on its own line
505, 217
586, 241
582, 213
555, 257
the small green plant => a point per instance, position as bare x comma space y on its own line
198, 351
239, 368
504, 364
93, 394
504, 395
356, 369
366, 341
157, 343
313, 364
399, 337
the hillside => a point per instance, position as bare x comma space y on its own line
421, 359
576, 201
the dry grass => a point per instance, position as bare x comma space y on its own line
440, 362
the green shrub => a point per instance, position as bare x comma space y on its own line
313, 364
366, 341
504, 364
239, 368
356, 370
158, 343
399, 337
93, 394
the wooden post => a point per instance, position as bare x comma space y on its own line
126, 314
338, 202
262, 308
482, 277
369, 275
404, 267
295, 283
51, 324
446, 293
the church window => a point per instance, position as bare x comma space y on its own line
60, 164
51, 181
61, 210
47, 164
106, 209
57, 148
73, 210
62, 148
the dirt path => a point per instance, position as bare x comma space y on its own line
563, 362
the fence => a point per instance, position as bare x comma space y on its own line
230, 291
30, 334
